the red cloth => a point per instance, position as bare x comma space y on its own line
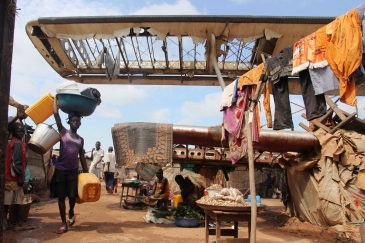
9, 156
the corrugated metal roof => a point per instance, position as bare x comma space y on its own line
165, 50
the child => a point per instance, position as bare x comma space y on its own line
15, 175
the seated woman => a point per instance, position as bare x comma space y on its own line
146, 186
161, 190
190, 193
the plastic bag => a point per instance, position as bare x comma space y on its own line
225, 192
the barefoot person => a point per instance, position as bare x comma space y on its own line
64, 180
15, 164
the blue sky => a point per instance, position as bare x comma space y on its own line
32, 77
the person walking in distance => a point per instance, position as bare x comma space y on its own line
109, 170
64, 180
97, 155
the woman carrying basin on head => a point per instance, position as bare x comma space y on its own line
64, 180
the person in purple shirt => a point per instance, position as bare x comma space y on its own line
64, 180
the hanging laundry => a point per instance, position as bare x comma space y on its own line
361, 11
281, 64
235, 119
315, 105
344, 52
283, 117
252, 77
112, 67
323, 80
228, 95
280, 67
306, 55
233, 116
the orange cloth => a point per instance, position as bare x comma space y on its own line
344, 52
305, 54
252, 77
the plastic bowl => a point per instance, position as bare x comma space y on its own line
188, 223
80, 104
68, 87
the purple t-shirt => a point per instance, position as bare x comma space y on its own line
69, 151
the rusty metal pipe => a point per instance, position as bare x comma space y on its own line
271, 141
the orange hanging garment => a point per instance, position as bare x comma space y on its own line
344, 52
252, 77
306, 54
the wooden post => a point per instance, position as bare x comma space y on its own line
7, 23
251, 172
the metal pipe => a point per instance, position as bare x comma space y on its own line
213, 59
270, 141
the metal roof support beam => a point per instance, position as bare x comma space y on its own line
180, 54
150, 51
194, 56
135, 52
121, 52
213, 59
80, 47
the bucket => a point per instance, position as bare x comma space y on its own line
69, 87
42, 109
177, 199
43, 138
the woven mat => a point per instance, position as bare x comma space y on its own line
142, 142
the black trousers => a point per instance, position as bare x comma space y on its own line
315, 105
283, 117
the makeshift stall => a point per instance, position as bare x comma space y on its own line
226, 213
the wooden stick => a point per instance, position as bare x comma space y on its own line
305, 127
251, 172
343, 122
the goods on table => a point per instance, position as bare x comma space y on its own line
214, 187
226, 197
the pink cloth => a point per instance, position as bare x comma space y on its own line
234, 124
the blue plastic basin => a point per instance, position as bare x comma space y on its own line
80, 104
188, 223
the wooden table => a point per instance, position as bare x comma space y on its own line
134, 192
221, 213
220, 216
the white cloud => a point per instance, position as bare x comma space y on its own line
106, 111
119, 95
181, 7
160, 116
208, 107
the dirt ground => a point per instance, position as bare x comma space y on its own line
105, 221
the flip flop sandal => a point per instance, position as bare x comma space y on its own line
25, 227
71, 221
62, 230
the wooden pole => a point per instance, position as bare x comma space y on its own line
251, 173
7, 24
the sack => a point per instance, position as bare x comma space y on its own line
147, 171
